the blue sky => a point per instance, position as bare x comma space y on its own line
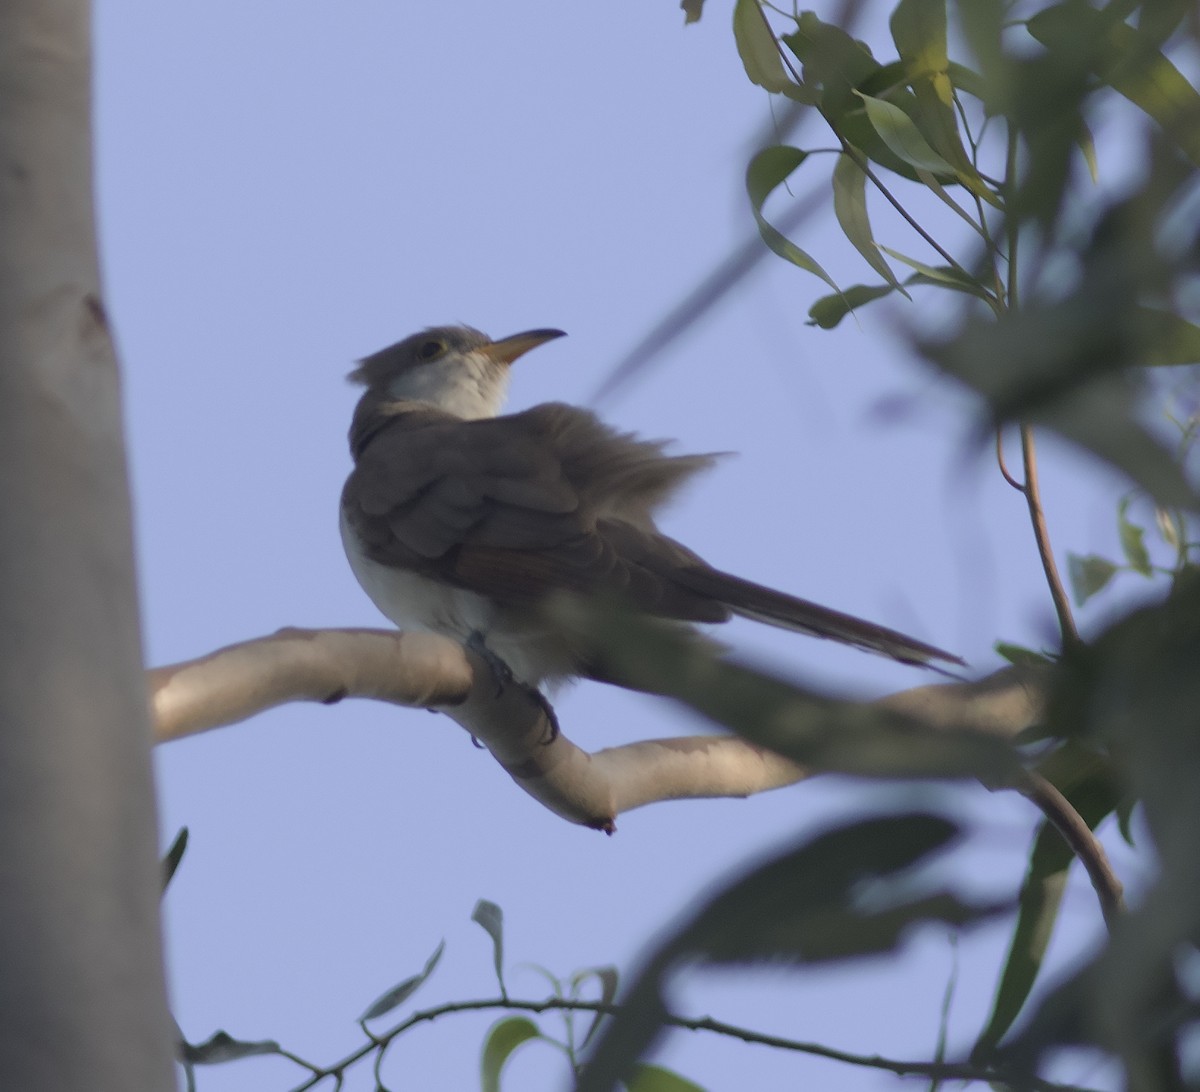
286, 187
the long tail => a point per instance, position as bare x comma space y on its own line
775, 608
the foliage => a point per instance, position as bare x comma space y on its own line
976, 140
1071, 301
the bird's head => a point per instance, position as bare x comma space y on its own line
455, 368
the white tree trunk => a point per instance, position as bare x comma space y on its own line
82, 997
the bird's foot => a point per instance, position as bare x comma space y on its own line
501, 673
503, 676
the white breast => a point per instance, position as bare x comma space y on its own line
411, 601
532, 650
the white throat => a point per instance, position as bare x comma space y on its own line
468, 385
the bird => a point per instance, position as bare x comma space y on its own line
464, 521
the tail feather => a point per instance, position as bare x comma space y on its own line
763, 604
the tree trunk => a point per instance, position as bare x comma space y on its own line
82, 997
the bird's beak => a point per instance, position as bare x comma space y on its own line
506, 350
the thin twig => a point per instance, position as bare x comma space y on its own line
1041, 534
1004, 471
1031, 489
1082, 840
865, 165
950, 1071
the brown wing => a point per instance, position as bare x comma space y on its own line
519, 507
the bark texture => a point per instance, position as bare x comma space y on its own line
82, 995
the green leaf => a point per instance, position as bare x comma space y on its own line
1089, 785
832, 60
757, 47
222, 1047
766, 171
828, 311
1133, 540
898, 131
490, 918
397, 995
174, 856
850, 208
1088, 575
943, 274
919, 31
1127, 60
654, 1078
502, 1039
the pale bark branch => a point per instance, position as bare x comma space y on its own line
425, 670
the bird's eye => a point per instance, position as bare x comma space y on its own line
431, 350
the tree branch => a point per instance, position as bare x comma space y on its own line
937, 1071
425, 670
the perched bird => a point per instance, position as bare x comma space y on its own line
463, 522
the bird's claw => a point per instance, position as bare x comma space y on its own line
503, 676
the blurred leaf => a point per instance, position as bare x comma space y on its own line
968, 81
1087, 146
1133, 541
757, 47
1170, 526
174, 856
397, 995
608, 979
1088, 783
1168, 338
714, 287
1136, 689
1159, 19
1125, 818
1127, 59
848, 891
898, 131
1045, 98
850, 208
810, 728
692, 10
982, 25
1088, 575
654, 1078
1059, 365
490, 918
222, 1047
502, 1039
1019, 654
766, 171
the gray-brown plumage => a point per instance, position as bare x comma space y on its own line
462, 522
